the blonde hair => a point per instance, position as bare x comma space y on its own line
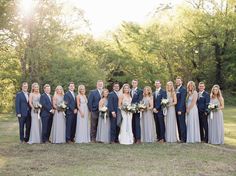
149, 90
172, 91
219, 94
194, 86
104, 90
57, 88
122, 89
81, 87
33, 86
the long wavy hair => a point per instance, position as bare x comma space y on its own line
122, 89
219, 94
172, 91
149, 89
33, 87
57, 88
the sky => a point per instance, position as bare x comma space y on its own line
106, 15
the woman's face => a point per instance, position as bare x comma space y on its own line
36, 88
169, 86
59, 91
126, 89
190, 87
215, 90
145, 91
105, 93
82, 90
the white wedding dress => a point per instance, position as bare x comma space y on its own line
126, 135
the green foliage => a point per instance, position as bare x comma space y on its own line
192, 40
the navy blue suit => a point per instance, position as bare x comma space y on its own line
93, 105
46, 116
23, 108
181, 106
113, 107
136, 98
71, 117
159, 116
202, 103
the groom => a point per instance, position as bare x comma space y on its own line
23, 113
46, 113
137, 96
113, 99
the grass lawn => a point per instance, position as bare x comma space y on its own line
99, 159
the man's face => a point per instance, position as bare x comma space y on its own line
116, 87
158, 85
100, 85
71, 87
25, 87
134, 84
178, 82
201, 87
47, 90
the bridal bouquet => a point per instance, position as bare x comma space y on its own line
103, 112
61, 107
141, 106
129, 108
164, 102
212, 108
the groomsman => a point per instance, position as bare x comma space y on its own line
158, 95
71, 113
46, 113
23, 112
93, 105
137, 96
113, 100
180, 108
202, 103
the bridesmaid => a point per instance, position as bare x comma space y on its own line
216, 124
103, 129
82, 127
148, 128
171, 123
58, 131
193, 130
36, 125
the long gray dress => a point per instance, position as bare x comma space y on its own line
83, 128
58, 132
148, 129
36, 124
103, 129
193, 130
171, 123
216, 126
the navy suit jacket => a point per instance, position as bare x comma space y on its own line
157, 99
46, 105
181, 99
22, 106
138, 96
93, 100
113, 102
203, 102
70, 102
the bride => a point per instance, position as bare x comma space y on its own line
126, 134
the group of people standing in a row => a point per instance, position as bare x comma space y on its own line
184, 119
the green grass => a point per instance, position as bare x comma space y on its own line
106, 160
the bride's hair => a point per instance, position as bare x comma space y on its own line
149, 90
122, 89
